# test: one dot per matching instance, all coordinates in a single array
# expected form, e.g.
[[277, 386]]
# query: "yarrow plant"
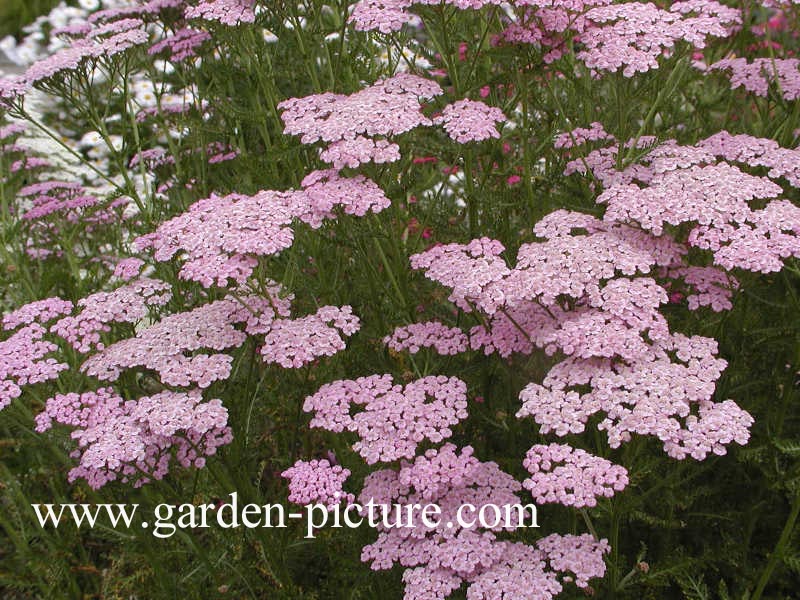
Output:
[[533, 259]]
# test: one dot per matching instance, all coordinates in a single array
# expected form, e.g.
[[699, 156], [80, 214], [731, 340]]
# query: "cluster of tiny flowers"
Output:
[[647, 397], [19, 157], [432, 334], [39, 311], [581, 555], [762, 244], [570, 476], [23, 361], [227, 12], [565, 264], [220, 236], [441, 559], [136, 440], [714, 194], [128, 268], [756, 152], [710, 286], [582, 135], [687, 184], [126, 304], [293, 343], [182, 45], [164, 346], [385, 16], [96, 44], [317, 482], [48, 197], [324, 191], [631, 36], [394, 419], [470, 121], [472, 270], [609, 318], [388, 107], [716, 198], [359, 150], [755, 76]]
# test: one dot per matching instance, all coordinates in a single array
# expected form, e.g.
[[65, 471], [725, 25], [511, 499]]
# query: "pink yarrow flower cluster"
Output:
[[221, 236], [227, 12], [39, 311], [293, 343], [756, 76], [317, 482], [182, 45], [432, 334], [100, 42], [440, 560], [470, 121], [126, 304], [136, 440], [570, 476], [631, 36], [24, 361], [669, 398], [395, 418], [170, 346]]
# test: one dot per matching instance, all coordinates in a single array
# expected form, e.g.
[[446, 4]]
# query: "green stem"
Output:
[[777, 553]]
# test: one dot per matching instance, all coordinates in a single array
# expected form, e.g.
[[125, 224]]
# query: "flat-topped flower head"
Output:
[[395, 419], [470, 121], [388, 107], [293, 343], [757, 75], [24, 361], [317, 482], [432, 334], [39, 311], [222, 236], [571, 476], [136, 440], [472, 270], [126, 304], [667, 394], [631, 36], [227, 12], [169, 346]]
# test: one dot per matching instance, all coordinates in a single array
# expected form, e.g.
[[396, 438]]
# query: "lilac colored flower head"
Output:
[[582, 135], [631, 36], [227, 12], [756, 76], [128, 268], [669, 398], [39, 311], [360, 150], [169, 346], [136, 440], [24, 361], [317, 482], [293, 343], [570, 476], [394, 419], [432, 334], [470, 121], [389, 107], [126, 304], [182, 45], [221, 236]]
